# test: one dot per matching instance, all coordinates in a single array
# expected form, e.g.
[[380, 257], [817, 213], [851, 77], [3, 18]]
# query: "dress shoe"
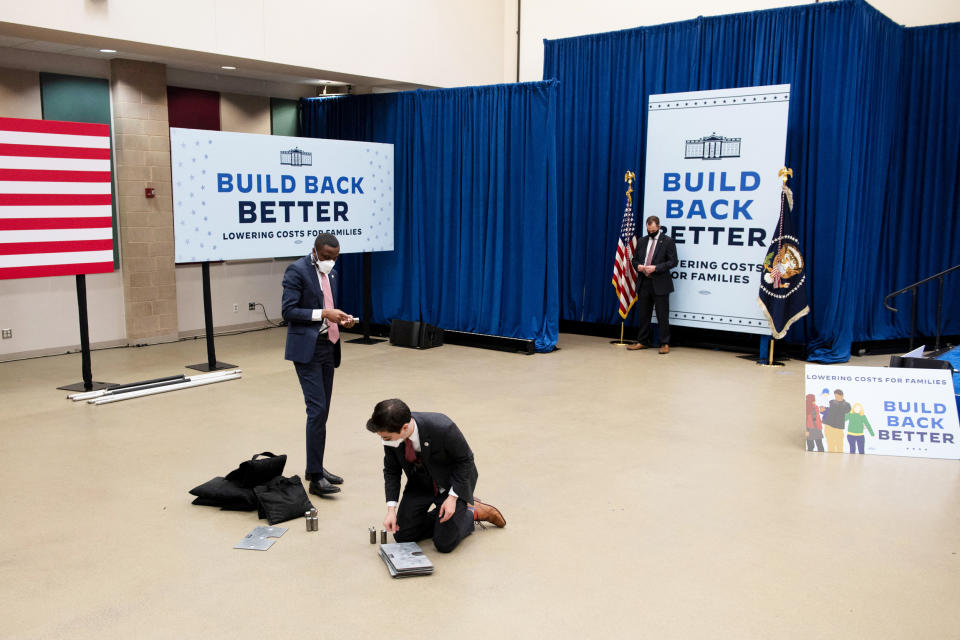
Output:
[[637, 347], [330, 477], [664, 348], [488, 513], [322, 487]]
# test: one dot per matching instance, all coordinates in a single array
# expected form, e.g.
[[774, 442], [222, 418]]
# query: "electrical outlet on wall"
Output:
[[7, 333], [251, 306], [236, 308]]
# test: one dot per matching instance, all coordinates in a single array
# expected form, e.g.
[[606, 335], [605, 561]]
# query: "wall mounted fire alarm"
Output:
[[149, 192]]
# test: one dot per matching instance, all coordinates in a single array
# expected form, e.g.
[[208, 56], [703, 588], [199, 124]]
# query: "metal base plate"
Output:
[[261, 538], [366, 340], [79, 386], [204, 366]]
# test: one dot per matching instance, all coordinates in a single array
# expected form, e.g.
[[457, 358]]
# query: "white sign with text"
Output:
[[711, 177], [900, 412], [240, 195]]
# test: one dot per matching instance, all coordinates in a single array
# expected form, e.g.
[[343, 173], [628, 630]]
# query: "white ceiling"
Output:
[[184, 68]]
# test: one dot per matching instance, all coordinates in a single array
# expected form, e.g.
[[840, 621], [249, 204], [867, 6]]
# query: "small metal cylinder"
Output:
[[315, 523], [383, 537], [309, 521], [373, 535]]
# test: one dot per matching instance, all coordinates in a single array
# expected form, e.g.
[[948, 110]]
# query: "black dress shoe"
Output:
[[322, 487], [332, 478]]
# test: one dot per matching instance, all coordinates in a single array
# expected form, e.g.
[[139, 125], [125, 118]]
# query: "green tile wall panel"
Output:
[[284, 117]]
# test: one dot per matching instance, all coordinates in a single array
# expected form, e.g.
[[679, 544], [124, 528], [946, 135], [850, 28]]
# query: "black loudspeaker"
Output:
[[919, 363], [418, 335]]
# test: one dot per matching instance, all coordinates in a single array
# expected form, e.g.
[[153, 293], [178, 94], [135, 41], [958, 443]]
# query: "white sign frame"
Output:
[[912, 412], [240, 196], [712, 159]]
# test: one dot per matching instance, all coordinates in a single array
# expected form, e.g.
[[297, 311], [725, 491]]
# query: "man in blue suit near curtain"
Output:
[[313, 344]]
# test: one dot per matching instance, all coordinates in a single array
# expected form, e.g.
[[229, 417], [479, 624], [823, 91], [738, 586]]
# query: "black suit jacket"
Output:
[[301, 295], [444, 452], [664, 258]]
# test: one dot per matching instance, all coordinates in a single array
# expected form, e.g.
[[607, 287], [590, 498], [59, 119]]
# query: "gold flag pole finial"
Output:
[[628, 178], [785, 174]]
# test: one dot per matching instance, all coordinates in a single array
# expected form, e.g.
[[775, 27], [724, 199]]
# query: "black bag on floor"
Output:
[[282, 499], [223, 493], [255, 472]]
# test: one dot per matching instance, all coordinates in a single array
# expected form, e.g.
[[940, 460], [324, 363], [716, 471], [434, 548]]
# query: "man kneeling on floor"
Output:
[[430, 449]]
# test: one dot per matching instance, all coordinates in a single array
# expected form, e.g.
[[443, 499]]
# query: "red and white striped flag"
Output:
[[55, 213], [624, 277]]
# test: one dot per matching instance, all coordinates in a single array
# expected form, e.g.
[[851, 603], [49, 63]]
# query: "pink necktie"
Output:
[[650, 252], [333, 329]]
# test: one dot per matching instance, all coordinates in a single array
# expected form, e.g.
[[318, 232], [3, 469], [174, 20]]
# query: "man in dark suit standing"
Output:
[[313, 344], [656, 256], [438, 462]]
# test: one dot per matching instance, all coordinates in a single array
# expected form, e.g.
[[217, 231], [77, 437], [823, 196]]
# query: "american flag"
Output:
[[624, 279], [55, 207]]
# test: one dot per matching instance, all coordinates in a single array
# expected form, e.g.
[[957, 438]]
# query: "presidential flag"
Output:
[[783, 285], [624, 278], [55, 206]]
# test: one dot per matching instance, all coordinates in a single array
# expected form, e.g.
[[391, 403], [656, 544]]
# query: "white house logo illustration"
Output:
[[712, 147], [296, 158]]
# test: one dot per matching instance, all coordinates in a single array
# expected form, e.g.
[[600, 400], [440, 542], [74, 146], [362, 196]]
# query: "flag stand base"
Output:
[[80, 386], [770, 361], [620, 342]]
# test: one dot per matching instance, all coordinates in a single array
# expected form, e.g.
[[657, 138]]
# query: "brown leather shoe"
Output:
[[664, 348], [637, 347], [489, 513]]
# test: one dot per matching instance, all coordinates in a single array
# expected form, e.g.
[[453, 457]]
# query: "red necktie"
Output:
[[408, 451], [653, 243], [411, 456], [333, 330]]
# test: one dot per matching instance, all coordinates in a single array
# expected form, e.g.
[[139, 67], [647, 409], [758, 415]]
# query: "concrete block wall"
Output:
[[142, 138]]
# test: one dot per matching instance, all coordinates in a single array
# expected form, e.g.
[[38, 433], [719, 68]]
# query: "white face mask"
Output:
[[396, 443], [325, 266]]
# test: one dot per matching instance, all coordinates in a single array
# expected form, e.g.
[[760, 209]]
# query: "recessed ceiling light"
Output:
[[108, 50], [228, 68]]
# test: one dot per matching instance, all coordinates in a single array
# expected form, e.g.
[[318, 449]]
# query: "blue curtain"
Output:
[[872, 138], [475, 237]]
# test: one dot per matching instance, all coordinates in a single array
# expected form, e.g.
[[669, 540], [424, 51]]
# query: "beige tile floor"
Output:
[[647, 496]]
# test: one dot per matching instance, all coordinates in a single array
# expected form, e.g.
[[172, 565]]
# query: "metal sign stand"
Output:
[[367, 305], [88, 383], [212, 364]]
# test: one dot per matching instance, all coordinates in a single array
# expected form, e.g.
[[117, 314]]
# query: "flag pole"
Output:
[[628, 177], [620, 342], [784, 175], [770, 361]]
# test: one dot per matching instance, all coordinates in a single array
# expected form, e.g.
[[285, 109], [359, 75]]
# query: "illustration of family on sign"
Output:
[[833, 416]]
